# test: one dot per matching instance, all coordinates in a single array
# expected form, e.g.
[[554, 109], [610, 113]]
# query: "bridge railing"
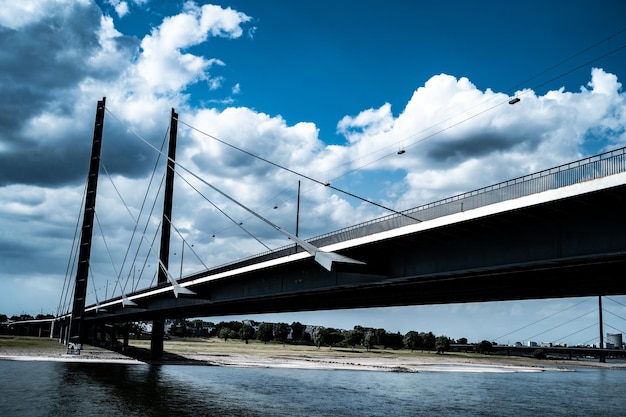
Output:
[[587, 169]]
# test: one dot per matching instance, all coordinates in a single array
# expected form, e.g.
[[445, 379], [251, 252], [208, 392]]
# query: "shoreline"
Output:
[[294, 357]]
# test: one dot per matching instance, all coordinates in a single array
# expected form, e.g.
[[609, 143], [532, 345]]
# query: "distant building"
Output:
[[614, 341], [532, 344]]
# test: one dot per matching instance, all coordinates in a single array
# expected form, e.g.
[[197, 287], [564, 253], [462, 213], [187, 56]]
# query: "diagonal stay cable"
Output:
[[326, 259], [171, 279], [615, 301], [614, 328], [235, 222], [616, 315], [106, 246], [136, 221], [562, 324], [542, 319], [325, 184], [185, 242], [576, 332], [148, 217], [71, 261]]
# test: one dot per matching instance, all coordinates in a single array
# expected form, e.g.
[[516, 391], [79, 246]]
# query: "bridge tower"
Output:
[[158, 325], [82, 272]]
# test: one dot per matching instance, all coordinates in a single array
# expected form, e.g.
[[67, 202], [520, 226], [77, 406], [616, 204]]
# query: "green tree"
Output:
[[462, 341], [246, 333], [281, 332], [354, 337], [265, 332], [392, 340], [369, 339], [539, 354], [379, 336], [297, 331], [319, 336], [428, 341], [442, 344], [225, 333], [484, 346], [334, 337], [3, 318], [412, 340]]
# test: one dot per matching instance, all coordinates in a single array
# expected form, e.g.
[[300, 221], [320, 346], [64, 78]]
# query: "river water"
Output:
[[96, 389]]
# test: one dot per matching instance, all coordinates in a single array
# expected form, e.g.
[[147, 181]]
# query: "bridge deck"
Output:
[[556, 233]]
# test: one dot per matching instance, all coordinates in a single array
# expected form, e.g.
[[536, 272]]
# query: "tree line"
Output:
[[297, 333], [4, 318]]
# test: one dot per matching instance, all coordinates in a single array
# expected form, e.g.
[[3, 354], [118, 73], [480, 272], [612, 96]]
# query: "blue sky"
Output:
[[330, 89]]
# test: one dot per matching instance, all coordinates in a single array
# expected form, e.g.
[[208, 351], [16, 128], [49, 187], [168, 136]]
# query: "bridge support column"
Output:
[[126, 337], [602, 354], [156, 340]]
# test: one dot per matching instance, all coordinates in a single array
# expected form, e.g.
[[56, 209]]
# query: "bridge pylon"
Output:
[[158, 325], [82, 272]]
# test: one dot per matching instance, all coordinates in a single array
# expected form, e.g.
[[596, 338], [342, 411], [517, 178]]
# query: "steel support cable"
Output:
[[616, 315], [608, 38], [123, 289], [142, 209], [542, 319], [106, 246], [119, 275], [235, 222], [71, 261], [93, 284], [136, 221], [481, 104], [562, 324], [615, 301], [326, 259], [576, 332], [484, 102], [160, 152], [430, 136], [185, 243], [145, 261], [154, 238], [614, 328], [586, 343], [245, 219], [326, 184], [580, 66]]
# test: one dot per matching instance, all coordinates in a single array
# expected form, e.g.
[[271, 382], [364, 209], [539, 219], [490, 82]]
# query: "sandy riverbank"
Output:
[[212, 352]]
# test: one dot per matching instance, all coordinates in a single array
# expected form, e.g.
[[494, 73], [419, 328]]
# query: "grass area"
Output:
[[9, 342], [216, 346]]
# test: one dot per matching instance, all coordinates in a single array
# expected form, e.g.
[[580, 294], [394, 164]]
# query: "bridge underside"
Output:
[[565, 248]]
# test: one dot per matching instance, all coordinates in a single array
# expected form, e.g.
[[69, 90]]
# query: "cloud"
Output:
[[121, 7], [163, 65], [457, 137]]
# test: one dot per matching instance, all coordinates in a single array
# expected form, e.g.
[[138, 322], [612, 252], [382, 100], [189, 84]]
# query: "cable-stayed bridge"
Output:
[[556, 233]]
